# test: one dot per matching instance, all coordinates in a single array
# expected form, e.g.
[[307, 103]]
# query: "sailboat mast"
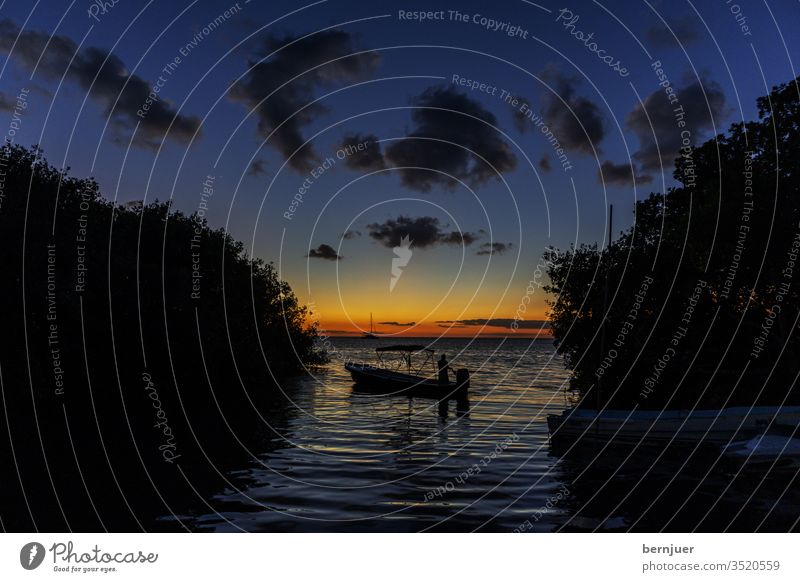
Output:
[[370, 322]]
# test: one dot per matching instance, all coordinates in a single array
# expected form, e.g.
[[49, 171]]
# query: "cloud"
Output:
[[106, 79], [6, 102], [301, 58], [521, 121], [257, 168], [661, 113], [424, 231], [447, 115], [620, 174], [544, 163], [504, 322], [397, 324], [324, 251], [351, 234], [575, 121], [368, 158], [457, 238], [495, 248], [659, 36], [41, 90]]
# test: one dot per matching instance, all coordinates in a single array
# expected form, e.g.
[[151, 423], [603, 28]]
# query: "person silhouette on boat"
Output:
[[443, 369]]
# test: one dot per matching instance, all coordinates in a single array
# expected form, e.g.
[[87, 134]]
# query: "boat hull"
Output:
[[713, 427], [381, 380]]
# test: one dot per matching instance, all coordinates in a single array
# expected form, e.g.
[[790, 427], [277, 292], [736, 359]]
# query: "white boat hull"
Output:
[[712, 427]]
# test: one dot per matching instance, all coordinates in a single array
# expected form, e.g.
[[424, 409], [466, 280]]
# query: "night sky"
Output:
[[333, 137]]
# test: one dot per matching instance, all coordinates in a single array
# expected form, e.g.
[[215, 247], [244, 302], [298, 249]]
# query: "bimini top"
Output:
[[404, 348]]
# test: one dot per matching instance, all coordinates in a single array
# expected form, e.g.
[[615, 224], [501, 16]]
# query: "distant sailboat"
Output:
[[370, 335]]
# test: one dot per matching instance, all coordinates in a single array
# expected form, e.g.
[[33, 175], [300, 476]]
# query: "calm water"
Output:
[[347, 461]]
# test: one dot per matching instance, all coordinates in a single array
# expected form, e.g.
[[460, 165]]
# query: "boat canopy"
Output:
[[404, 348]]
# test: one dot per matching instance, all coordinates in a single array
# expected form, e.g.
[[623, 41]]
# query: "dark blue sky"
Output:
[[720, 66]]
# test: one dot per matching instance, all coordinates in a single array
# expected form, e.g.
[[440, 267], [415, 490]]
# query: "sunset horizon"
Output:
[[347, 267]]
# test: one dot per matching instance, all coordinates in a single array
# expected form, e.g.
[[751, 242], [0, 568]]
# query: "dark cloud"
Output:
[[544, 164], [351, 234], [397, 324], [661, 113], [659, 36], [106, 79], [458, 238], [576, 121], [504, 322], [620, 174], [447, 115], [6, 103], [42, 91], [257, 168], [29, 45], [301, 58], [368, 158], [424, 231], [521, 121], [326, 252], [495, 248]]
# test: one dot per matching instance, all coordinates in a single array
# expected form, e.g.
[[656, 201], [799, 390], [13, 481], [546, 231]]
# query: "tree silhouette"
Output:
[[140, 351], [716, 326]]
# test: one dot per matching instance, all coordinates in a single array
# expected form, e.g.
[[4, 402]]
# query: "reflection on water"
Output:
[[349, 461]]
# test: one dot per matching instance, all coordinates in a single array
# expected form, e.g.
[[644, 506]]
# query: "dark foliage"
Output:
[[716, 325], [125, 387]]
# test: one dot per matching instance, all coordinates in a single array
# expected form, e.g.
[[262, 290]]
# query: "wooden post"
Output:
[[462, 391], [462, 382]]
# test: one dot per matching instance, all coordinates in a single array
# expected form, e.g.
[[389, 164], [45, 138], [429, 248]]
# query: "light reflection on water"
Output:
[[364, 462], [348, 461]]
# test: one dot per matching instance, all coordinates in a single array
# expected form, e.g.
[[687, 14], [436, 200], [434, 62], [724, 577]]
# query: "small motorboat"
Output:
[[777, 449], [388, 377]]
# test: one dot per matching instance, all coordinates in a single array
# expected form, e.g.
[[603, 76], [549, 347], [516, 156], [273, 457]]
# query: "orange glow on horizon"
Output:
[[346, 329]]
